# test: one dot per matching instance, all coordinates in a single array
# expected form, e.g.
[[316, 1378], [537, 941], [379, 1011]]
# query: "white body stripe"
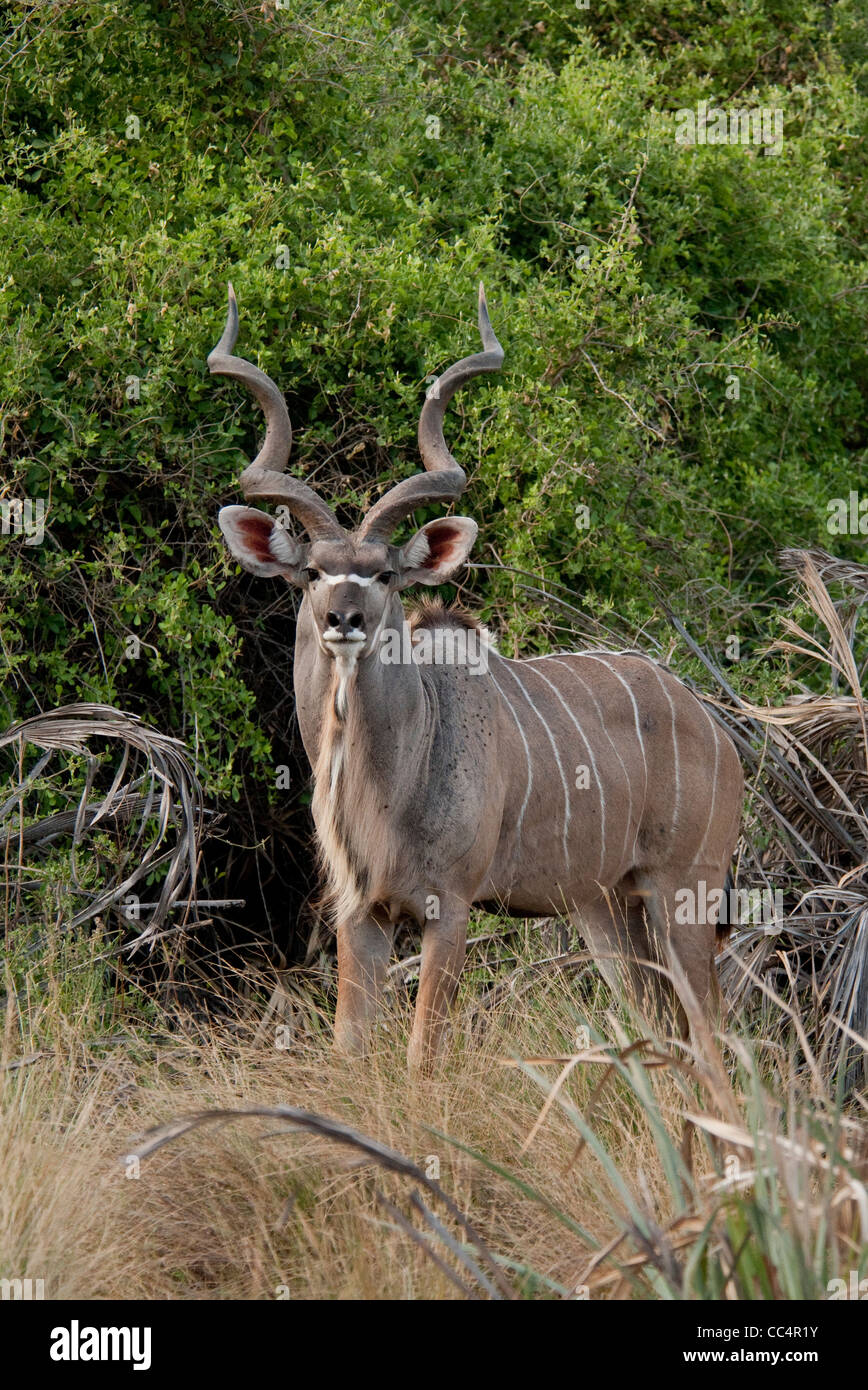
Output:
[[584, 739], [699, 857], [677, 761], [527, 755], [557, 760], [627, 779], [638, 735]]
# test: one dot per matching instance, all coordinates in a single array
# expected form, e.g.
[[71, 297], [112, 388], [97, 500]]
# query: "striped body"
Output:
[[540, 786], [615, 767]]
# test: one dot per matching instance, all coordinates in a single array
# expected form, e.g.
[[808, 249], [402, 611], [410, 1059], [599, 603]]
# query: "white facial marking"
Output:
[[362, 579]]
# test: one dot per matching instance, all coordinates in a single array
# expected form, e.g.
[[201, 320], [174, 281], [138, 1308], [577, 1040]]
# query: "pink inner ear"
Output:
[[256, 532], [440, 545]]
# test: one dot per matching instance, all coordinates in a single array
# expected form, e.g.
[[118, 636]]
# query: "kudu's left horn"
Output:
[[444, 478], [265, 477]]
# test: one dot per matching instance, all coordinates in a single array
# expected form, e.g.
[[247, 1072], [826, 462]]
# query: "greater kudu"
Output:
[[592, 783]]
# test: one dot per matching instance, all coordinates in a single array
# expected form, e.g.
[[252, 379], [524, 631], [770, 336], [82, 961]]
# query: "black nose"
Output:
[[350, 620]]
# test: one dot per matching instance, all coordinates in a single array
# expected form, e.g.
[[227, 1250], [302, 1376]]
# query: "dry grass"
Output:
[[582, 1182], [239, 1210], [805, 832]]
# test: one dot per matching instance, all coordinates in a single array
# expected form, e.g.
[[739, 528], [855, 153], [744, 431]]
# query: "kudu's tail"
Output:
[[724, 922]]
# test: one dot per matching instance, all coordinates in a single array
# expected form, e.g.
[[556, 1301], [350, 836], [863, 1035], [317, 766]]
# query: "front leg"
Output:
[[444, 944], [364, 949]]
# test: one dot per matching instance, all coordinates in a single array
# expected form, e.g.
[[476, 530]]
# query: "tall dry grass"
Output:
[[584, 1158]]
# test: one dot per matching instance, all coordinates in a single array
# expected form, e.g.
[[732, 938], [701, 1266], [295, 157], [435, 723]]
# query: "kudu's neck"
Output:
[[373, 711]]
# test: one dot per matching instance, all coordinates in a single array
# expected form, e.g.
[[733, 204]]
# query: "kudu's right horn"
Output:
[[444, 478]]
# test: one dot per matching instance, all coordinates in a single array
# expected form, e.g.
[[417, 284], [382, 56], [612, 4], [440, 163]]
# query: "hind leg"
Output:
[[614, 932], [681, 913], [652, 985]]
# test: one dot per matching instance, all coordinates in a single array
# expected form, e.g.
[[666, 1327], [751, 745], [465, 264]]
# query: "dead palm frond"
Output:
[[806, 831], [153, 788], [472, 1255]]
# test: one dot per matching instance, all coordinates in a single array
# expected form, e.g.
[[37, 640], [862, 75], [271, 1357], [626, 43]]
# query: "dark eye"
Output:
[[385, 576], [311, 574]]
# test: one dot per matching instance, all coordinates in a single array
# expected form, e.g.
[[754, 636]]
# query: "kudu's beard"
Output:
[[344, 652], [346, 666], [346, 656]]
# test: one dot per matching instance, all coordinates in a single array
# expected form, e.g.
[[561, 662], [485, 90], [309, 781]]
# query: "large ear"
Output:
[[259, 544], [437, 550]]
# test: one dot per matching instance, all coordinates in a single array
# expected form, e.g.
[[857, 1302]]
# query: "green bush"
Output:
[[355, 171]]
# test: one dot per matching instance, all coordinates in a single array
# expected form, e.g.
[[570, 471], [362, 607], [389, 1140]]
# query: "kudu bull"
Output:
[[591, 783]]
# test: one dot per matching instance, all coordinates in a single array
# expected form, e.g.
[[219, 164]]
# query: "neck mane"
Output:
[[368, 725]]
